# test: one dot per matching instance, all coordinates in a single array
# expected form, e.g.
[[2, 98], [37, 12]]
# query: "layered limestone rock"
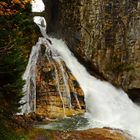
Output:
[[58, 93], [103, 34]]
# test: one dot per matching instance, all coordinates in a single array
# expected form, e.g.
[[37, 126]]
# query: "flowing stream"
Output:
[[105, 104]]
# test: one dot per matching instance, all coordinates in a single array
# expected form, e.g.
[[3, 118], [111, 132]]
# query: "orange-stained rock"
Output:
[[53, 99], [92, 134]]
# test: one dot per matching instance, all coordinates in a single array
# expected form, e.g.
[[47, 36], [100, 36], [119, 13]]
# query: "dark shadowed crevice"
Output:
[[52, 13], [134, 94]]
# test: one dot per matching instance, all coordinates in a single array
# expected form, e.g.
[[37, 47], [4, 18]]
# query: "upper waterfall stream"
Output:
[[105, 104]]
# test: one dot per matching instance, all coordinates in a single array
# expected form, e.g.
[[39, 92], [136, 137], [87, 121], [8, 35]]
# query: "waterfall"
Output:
[[29, 89], [58, 60], [105, 104], [29, 76], [66, 93], [37, 6]]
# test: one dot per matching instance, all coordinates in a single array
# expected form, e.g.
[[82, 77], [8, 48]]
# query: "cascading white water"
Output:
[[105, 104], [29, 89], [29, 76], [66, 92], [49, 56], [37, 6]]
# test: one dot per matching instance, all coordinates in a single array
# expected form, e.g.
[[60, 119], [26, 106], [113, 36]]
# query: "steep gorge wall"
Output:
[[103, 34]]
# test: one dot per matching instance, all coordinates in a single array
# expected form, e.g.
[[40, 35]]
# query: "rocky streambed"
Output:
[[72, 128], [76, 128], [91, 134]]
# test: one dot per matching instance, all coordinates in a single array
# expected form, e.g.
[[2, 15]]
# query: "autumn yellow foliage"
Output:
[[9, 8]]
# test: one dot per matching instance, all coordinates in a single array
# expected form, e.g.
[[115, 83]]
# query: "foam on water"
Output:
[[104, 103]]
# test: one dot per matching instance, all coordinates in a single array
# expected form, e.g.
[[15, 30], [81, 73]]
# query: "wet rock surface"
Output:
[[58, 92]]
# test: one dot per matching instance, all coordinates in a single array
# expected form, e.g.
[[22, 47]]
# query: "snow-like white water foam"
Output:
[[37, 6], [105, 104], [29, 89]]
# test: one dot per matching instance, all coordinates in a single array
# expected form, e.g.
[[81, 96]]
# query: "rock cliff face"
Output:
[[103, 34], [58, 93]]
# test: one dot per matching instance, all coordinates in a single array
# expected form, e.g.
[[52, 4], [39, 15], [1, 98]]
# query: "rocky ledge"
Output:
[[91, 134], [58, 92]]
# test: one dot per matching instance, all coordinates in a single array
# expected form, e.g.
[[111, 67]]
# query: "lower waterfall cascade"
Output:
[[105, 104]]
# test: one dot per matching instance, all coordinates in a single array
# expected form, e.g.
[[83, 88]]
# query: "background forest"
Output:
[[16, 37]]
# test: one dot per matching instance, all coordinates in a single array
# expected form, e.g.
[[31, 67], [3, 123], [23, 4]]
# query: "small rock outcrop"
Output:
[[58, 92]]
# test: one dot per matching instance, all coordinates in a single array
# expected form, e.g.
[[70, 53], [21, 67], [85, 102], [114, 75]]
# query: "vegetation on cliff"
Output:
[[12, 7], [16, 41]]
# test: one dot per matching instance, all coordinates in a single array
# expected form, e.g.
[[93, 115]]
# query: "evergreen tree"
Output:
[[17, 35]]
